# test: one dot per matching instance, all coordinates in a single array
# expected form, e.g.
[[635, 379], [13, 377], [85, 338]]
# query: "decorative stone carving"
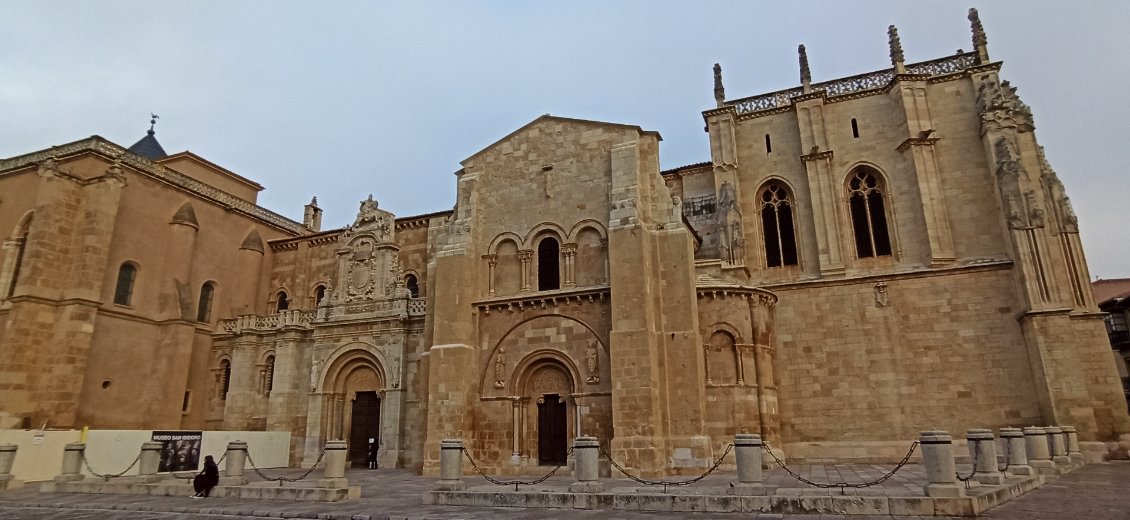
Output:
[[549, 381], [882, 297], [315, 370], [730, 221], [719, 91], [1001, 107], [896, 45], [592, 363], [396, 372], [500, 368]]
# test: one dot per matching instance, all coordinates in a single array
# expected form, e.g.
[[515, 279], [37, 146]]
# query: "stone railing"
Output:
[[417, 306], [160, 172], [255, 322], [854, 84]]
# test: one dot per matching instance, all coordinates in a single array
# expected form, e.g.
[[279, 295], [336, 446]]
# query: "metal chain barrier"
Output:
[[973, 469], [108, 476], [515, 483], [843, 485], [280, 480], [666, 483]]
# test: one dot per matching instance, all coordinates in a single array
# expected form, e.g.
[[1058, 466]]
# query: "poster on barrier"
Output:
[[180, 450]]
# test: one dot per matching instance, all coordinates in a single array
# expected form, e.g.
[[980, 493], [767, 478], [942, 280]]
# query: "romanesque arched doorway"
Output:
[[549, 387], [353, 390]]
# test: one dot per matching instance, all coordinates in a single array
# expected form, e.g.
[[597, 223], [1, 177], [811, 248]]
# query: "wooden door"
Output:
[[552, 435], [365, 425]]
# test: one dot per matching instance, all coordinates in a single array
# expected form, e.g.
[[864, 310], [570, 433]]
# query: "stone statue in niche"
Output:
[[729, 218], [1035, 212], [882, 297], [315, 367], [1070, 221], [396, 372], [500, 368], [1015, 218], [592, 362]]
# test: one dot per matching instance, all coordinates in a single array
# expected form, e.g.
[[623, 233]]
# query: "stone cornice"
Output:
[[545, 299], [986, 265], [113, 152]]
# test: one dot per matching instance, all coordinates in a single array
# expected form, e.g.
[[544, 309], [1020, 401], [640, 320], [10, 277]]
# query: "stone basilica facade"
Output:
[[859, 259]]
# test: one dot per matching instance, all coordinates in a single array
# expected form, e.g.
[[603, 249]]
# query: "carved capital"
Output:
[[525, 255], [569, 249]]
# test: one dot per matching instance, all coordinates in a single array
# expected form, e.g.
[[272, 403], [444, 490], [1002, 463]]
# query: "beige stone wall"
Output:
[[851, 369]]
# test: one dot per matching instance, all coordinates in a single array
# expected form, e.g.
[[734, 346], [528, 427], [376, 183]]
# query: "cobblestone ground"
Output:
[[1095, 492]]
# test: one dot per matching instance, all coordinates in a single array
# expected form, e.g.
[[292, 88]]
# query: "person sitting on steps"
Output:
[[207, 479]]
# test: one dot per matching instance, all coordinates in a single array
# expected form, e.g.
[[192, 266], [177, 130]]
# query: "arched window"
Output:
[[124, 290], [319, 295], [281, 303], [204, 306], [412, 285], [269, 375], [225, 378], [868, 214], [777, 226], [549, 273]]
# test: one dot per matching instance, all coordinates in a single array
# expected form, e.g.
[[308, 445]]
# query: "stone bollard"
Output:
[[234, 464], [586, 451], [7, 460], [1016, 452], [1036, 446], [1057, 445], [747, 451], [937, 456], [150, 460], [72, 462], [1073, 451], [450, 466], [983, 453], [333, 473]]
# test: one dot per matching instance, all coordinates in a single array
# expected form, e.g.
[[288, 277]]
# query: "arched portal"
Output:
[[352, 395], [548, 385]]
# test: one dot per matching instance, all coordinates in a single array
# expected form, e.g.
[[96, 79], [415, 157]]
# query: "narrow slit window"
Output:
[[768, 144], [123, 291], [854, 128]]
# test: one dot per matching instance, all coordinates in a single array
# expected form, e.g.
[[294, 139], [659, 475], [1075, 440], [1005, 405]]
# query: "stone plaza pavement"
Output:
[[1094, 492]]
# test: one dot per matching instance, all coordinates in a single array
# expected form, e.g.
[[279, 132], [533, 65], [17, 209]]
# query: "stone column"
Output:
[[526, 256], [1016, 452], [569, 251], [234, 463], [492, 263], [747, 451], [450, 466], [150, 460], [72, 462], [586, 451], [516, 454], [1073, 450], [7, 459], [937, 456], [333, 471], [1057, 445], [1036, 446], [983, 453]]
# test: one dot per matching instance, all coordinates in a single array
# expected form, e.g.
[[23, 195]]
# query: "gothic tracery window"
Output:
[[123, 291], [777, 226], [868, 214]]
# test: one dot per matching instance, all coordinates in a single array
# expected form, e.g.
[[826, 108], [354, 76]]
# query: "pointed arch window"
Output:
[[204, 306], [123, 291], [777, 225], [281, 301], [868, 214], [549, 273], [413, 285]]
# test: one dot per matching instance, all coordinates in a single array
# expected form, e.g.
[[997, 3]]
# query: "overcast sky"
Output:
[[343, 99]]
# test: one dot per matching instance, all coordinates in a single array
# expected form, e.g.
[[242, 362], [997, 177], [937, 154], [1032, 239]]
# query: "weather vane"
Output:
[[153, 121]]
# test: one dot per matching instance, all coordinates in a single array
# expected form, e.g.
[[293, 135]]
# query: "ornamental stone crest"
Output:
[[368, 268], [1001, 107]]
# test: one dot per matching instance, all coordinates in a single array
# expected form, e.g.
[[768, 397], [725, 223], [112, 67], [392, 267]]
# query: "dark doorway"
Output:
[[552, 426], [365, 425]]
